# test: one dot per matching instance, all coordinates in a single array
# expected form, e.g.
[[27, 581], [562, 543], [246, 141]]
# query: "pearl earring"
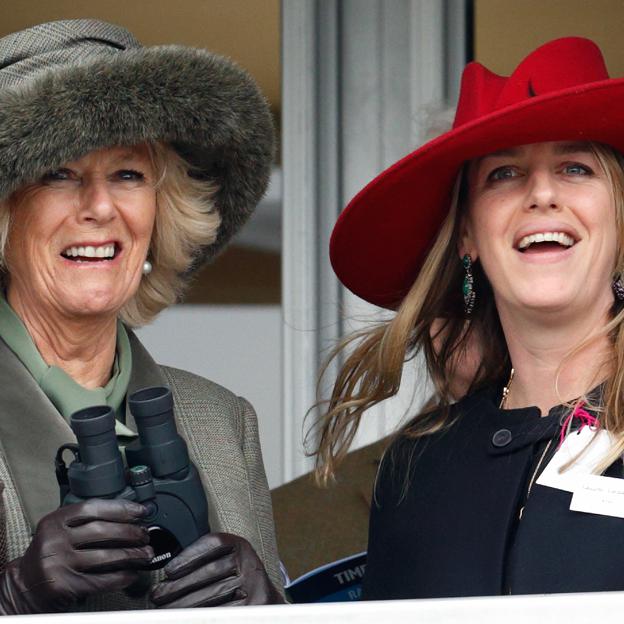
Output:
[[147, 267]]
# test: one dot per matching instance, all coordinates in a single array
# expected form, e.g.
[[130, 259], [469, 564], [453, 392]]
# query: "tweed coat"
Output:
[[220, 430]]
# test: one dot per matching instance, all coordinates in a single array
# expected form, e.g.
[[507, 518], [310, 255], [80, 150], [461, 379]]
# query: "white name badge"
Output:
[[591, 445], [599, 495]]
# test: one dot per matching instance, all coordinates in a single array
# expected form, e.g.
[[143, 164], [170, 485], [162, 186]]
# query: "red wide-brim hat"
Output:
[[560, 92]]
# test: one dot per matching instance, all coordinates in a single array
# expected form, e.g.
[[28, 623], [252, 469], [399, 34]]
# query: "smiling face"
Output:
[[78, 237], [541, 219]]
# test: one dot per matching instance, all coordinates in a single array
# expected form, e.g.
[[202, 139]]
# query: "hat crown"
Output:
[[41, 47], [560, 64]]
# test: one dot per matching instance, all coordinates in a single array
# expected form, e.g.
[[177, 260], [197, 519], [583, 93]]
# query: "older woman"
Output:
[[122, 170], [511, 228]]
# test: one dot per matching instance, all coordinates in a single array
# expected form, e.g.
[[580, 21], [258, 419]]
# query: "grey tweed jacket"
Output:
[[220, 429]]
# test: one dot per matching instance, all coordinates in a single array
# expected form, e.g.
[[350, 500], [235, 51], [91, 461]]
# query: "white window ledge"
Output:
[[555, 609]]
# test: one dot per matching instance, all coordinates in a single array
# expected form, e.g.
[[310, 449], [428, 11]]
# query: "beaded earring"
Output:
[[468, 285]]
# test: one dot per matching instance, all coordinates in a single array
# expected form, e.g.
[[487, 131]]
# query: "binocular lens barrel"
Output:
[[162, 447], [93, 427], [100, 471]]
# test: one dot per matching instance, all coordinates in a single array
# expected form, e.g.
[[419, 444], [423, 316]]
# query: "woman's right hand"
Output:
[[78, 550]]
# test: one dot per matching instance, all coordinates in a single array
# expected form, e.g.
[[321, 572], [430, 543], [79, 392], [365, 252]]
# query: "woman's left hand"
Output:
[[219, 569]]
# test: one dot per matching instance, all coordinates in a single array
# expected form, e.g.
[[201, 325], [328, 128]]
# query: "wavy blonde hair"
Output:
[[375, 356], [186, 220]]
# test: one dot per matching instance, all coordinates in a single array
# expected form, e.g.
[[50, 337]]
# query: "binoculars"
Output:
[[159, 473]]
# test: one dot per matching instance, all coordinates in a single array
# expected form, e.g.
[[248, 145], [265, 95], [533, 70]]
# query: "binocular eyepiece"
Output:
[[160, 446], [159, 473], [100, 471]]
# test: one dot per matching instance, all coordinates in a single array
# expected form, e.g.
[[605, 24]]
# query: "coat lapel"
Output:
[[31, 431]]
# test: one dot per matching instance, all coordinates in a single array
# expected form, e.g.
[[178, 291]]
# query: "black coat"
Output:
[[454, 529]]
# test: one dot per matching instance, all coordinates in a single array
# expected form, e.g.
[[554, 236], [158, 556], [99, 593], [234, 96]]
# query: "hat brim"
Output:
[[201, 103], [382, 237]]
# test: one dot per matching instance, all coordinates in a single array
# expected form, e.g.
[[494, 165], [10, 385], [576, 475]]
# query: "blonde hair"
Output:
[[186, 221], [375, 357]]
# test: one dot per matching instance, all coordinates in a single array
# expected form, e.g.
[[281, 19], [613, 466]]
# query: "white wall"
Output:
[[238, 347]]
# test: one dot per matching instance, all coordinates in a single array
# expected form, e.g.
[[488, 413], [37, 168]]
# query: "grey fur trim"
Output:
[[201, 103]]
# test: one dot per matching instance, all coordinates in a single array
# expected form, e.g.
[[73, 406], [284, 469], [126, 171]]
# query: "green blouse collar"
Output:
[[66, 394]]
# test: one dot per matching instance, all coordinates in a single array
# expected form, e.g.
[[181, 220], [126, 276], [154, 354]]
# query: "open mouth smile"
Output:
[[92, 253], [545, 242]]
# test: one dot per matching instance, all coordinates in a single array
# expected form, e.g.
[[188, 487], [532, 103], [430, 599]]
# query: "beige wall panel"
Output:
[[239, 276], [506, 30], [245, 30]]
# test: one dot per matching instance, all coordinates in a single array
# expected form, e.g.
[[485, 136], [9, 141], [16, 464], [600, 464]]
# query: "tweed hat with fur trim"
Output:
[[72, 86]]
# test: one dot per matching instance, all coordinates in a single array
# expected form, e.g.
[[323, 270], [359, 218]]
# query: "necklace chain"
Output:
[[544, 452], [534, 475], [506, 390]]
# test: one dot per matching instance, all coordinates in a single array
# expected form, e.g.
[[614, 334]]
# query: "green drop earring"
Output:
[[468, 285]]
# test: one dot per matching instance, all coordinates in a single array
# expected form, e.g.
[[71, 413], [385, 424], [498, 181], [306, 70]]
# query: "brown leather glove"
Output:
[[78, 550], [219, 569]]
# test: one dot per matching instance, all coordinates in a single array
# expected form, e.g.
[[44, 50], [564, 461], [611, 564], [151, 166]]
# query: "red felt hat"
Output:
[[560, 92]]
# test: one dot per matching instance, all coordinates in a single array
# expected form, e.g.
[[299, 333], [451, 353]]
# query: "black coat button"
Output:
[[501, 438]]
